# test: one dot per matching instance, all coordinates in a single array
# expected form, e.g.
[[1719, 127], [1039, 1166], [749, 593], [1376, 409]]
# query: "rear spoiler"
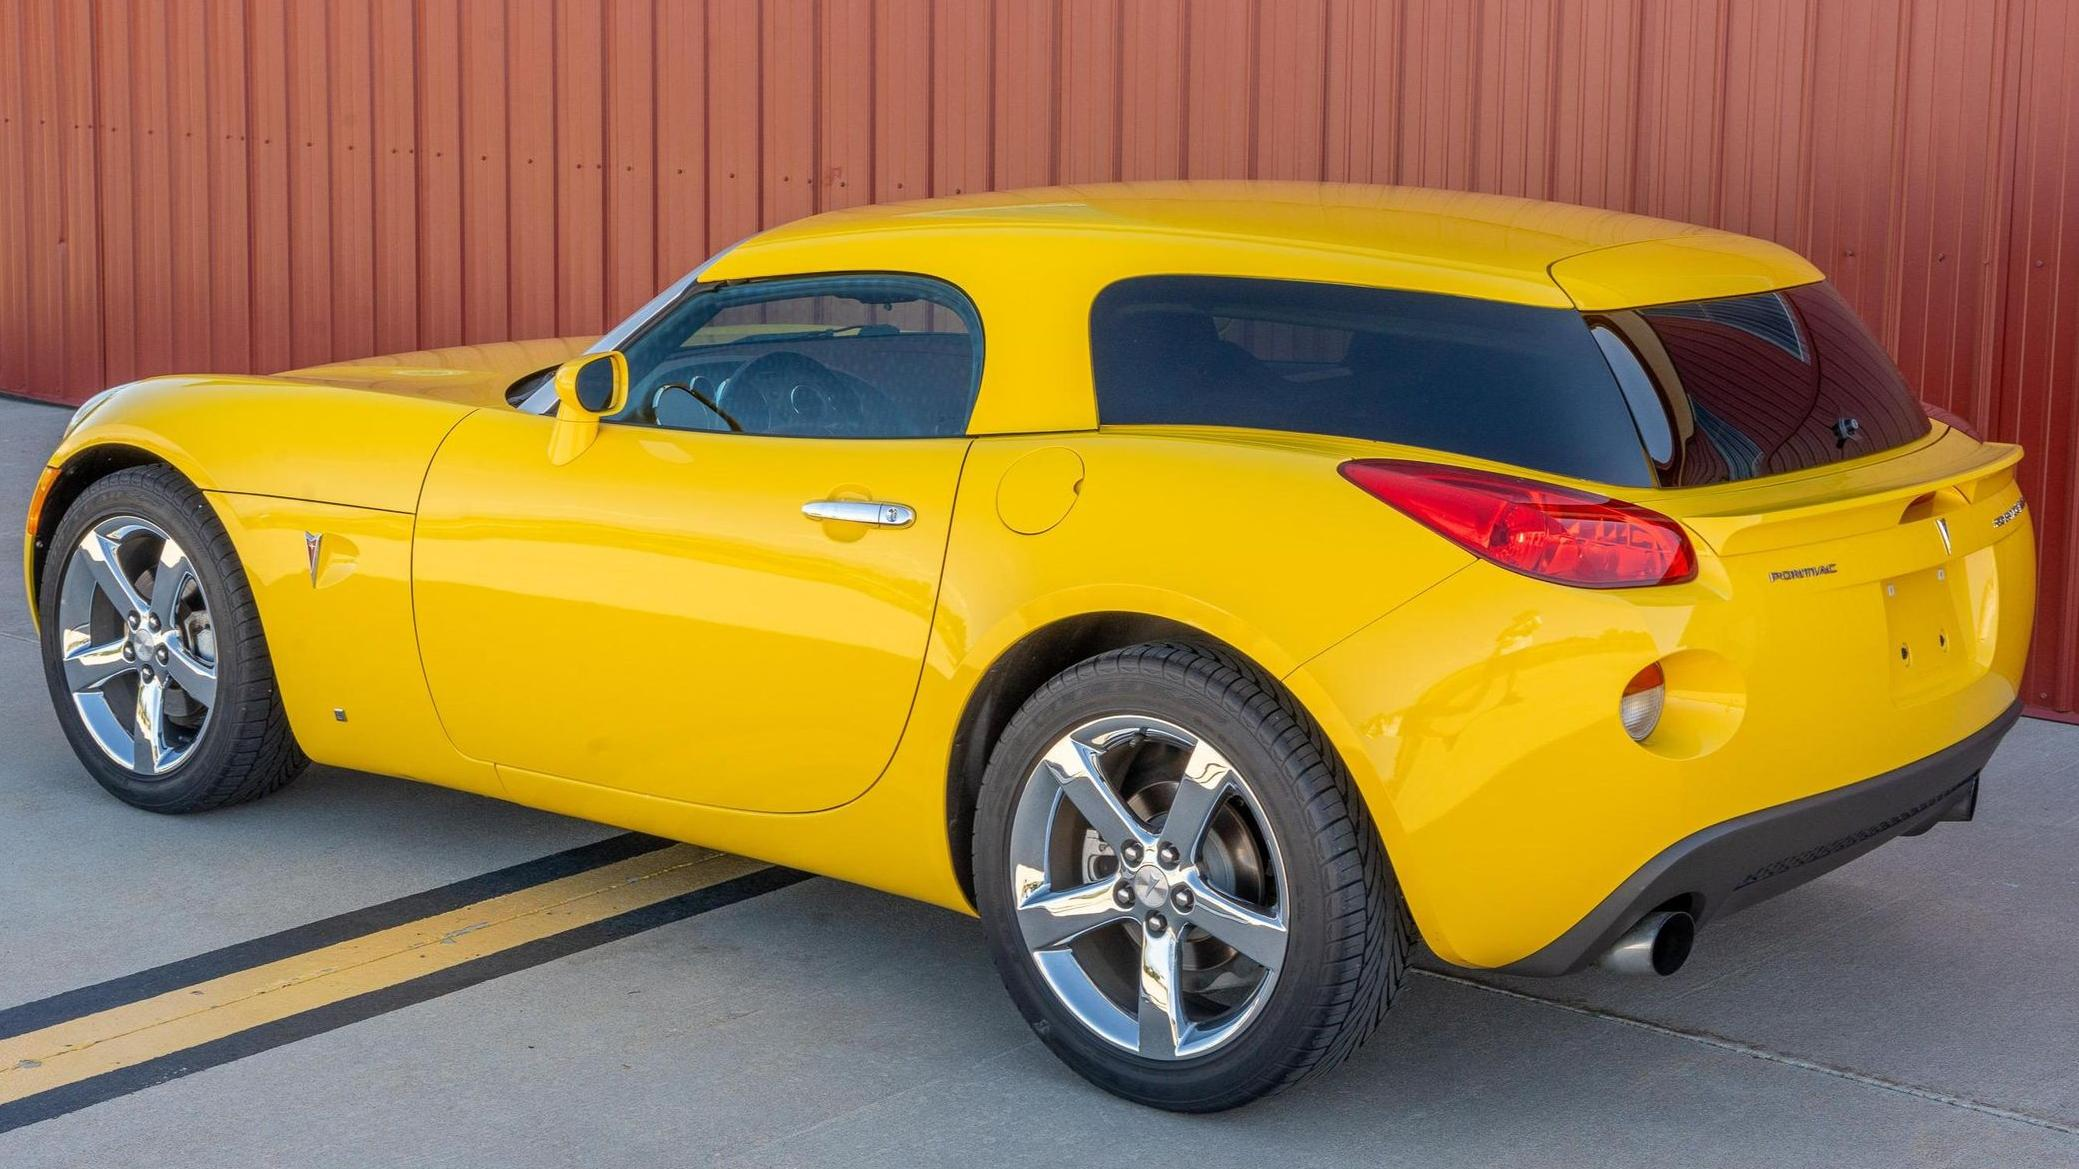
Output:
[[1844, 500]]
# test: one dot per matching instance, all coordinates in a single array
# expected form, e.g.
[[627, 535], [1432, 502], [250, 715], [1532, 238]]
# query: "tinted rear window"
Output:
[[1507, 382], [1748, 386], [1705, 392]]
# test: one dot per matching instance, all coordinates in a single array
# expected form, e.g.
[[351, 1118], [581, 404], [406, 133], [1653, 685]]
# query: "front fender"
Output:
[[256, 436], [272, 436]]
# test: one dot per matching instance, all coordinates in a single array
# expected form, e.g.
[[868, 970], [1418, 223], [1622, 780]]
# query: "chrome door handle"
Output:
[[861, 511]]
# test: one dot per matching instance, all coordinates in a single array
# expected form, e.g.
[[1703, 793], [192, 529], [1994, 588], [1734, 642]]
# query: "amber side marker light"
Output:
[[1541, 530], [44, 482]]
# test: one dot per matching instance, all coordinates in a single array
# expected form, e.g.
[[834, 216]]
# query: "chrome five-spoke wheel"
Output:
[[137, 644], [1178, 881], [152, 648], [1148, 886]]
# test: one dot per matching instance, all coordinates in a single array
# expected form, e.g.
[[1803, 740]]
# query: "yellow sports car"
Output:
[[1212, 586]]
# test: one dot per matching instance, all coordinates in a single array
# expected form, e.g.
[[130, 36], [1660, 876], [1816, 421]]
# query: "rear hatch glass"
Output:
[[1744, 387], [1706, 392]]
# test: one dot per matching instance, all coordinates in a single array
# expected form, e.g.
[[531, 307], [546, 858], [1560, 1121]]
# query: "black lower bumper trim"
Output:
[[1732, 865]]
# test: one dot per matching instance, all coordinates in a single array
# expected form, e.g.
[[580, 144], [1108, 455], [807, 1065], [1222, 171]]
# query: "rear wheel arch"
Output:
[[1296, 940], [1028, 664]]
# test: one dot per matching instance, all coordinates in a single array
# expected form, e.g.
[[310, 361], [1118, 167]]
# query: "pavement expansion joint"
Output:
[[1736, 1047]]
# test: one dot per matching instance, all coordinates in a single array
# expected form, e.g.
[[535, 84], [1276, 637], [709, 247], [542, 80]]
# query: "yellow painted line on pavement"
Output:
[[81, 1048]]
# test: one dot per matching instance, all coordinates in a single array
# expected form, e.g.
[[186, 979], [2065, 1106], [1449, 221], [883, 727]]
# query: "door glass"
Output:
[[863, 356]]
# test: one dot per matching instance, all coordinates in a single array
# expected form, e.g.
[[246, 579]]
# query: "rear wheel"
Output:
[[1181, 891], [153, 652]]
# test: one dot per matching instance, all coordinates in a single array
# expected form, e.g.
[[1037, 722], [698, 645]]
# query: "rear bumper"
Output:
[[1732, 865]]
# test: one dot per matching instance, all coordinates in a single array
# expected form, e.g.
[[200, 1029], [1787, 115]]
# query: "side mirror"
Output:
[[595, 385], [588, 388]]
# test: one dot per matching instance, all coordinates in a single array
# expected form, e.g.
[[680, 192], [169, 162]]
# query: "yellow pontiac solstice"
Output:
[[1214, 586]]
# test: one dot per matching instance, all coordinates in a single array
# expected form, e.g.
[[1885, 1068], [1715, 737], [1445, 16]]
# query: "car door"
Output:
[[732, 617]]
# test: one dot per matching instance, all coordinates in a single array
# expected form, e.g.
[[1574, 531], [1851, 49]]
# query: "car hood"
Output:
[[468, 375]]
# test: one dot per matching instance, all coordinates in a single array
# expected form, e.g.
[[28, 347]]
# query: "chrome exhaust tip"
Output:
[[1658, 944]]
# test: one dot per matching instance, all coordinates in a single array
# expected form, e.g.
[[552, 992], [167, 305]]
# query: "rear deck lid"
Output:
[[1902, 570], [1935, 477]]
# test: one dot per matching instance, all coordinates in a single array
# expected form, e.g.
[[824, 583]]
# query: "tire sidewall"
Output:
[[200, 534], [1250, 1063]]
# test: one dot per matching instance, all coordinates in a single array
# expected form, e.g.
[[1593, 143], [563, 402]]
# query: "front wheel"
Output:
[[153, 651], [1180, 888]]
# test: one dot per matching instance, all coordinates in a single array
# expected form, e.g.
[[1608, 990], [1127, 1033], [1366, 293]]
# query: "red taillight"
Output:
[[1552, 533]]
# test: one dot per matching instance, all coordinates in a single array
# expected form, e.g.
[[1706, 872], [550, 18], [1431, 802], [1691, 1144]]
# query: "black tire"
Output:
[[246, 748], [1350, 936]]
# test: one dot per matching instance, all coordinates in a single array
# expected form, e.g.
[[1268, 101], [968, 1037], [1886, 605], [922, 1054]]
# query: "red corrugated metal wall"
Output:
[[258, 184]]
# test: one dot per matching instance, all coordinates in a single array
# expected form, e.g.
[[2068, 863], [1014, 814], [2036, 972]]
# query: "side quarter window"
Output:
[[837, 356]]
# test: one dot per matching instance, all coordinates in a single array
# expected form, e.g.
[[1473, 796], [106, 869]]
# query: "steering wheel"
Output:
[[687, 405], [785, 392]]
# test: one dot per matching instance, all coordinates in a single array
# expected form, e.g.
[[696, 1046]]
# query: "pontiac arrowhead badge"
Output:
[[313, 546]]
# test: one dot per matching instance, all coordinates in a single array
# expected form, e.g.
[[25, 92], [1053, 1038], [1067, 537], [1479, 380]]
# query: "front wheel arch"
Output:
[[81, 470], [243, 748]]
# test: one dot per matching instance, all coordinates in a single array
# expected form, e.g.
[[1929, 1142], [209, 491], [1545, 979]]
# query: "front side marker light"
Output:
[[44, 482]]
